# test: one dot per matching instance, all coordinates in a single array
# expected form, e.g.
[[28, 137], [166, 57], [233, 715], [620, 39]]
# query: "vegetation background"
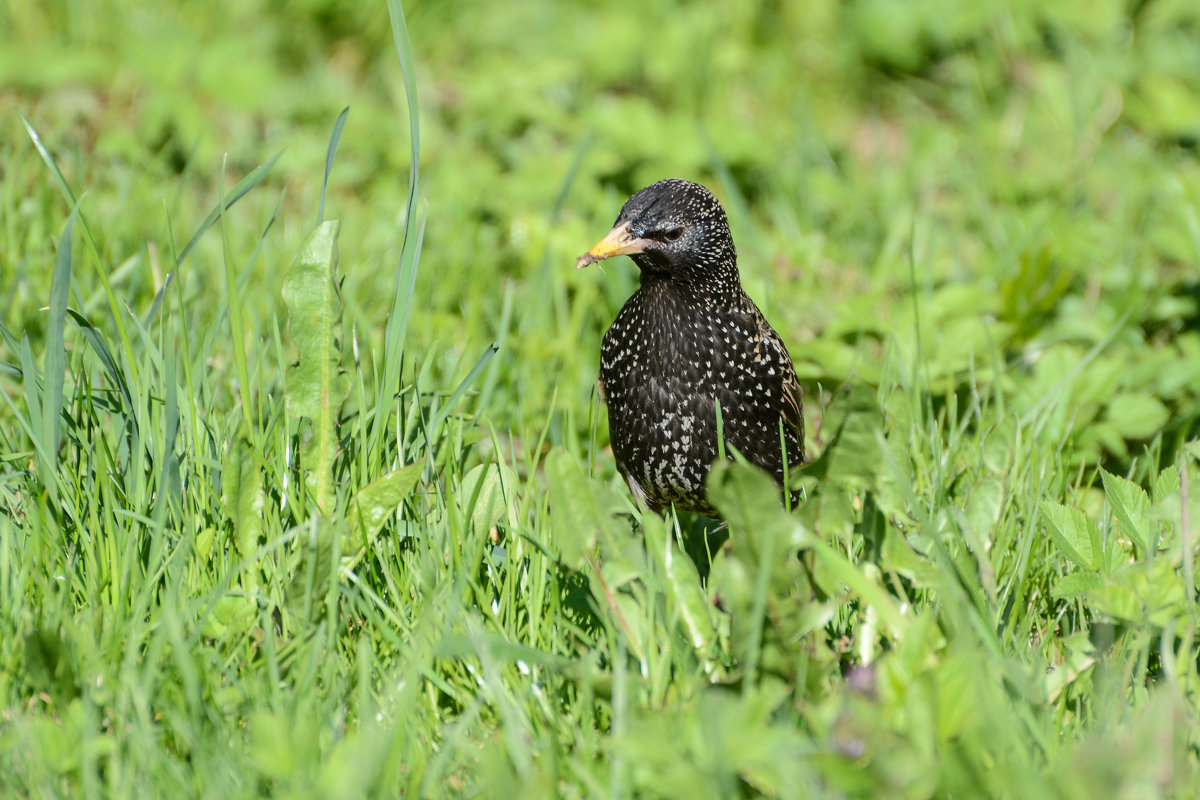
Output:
[[975, 225]]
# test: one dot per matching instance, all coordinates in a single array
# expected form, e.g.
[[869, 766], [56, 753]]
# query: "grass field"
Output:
[[294, 509]]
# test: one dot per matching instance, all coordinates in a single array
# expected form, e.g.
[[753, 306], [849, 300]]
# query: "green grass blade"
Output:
[[33, 401], [55, 363], [404, 51], [462, 387], [330, 151], [256, 176], [406, 272], [115, 308], [96, 339]]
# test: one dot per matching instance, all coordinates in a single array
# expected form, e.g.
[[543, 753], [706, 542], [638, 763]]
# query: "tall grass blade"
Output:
[[114, 307], [243, 187], [55, 363], [462, 387], [330, 151], [406, 272]]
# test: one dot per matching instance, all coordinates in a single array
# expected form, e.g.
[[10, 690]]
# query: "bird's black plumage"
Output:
[[688, 339]]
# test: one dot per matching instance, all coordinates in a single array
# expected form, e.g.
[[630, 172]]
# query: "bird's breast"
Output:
[[657, 342]]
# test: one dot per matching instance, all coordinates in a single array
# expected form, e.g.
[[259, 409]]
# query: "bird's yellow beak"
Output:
[[619, 242]]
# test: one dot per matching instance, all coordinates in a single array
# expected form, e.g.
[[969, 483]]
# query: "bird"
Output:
[[687, 342]]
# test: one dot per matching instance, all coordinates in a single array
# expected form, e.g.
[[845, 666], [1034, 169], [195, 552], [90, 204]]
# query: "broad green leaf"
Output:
[[1137, 416], [1075, 534], [491, 492], [985, 504], [1118, 601], [1167, 484], [748, 498], [1078, 656], [580, 508], [1161, 590], [233, 616], [315, 386], [1131, 506], [1076, 584], [683, 582], [898, 555], [377, 502], [853, 456], [242, 494]]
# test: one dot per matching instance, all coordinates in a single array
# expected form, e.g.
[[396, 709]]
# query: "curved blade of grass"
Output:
[[107, 359], [462, 387], [334, 138], [404, 51], [239, 191], [55, 363], [101, 271], [406, 272], [402, 300]]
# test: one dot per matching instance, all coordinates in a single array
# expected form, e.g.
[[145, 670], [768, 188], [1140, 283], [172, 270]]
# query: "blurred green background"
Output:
[[1029, 168]]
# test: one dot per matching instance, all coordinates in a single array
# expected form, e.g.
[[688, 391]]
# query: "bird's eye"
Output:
[[672, 234]]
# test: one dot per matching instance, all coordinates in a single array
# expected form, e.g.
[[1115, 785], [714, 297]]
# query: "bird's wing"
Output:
[[792, 409], [793, 394]]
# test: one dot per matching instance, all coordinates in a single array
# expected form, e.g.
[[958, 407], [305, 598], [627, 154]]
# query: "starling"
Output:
[[688, 339]]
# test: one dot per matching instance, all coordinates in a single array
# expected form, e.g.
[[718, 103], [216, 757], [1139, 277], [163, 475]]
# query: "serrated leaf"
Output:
[[314, 385], [1167, 484], [1131, 506], [1075, 534]]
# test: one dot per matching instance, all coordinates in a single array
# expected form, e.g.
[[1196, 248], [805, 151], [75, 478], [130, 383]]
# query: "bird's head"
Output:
[[674, 229]]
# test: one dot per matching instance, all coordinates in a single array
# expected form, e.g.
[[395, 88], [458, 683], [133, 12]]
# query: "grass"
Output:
[[328, 511]]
